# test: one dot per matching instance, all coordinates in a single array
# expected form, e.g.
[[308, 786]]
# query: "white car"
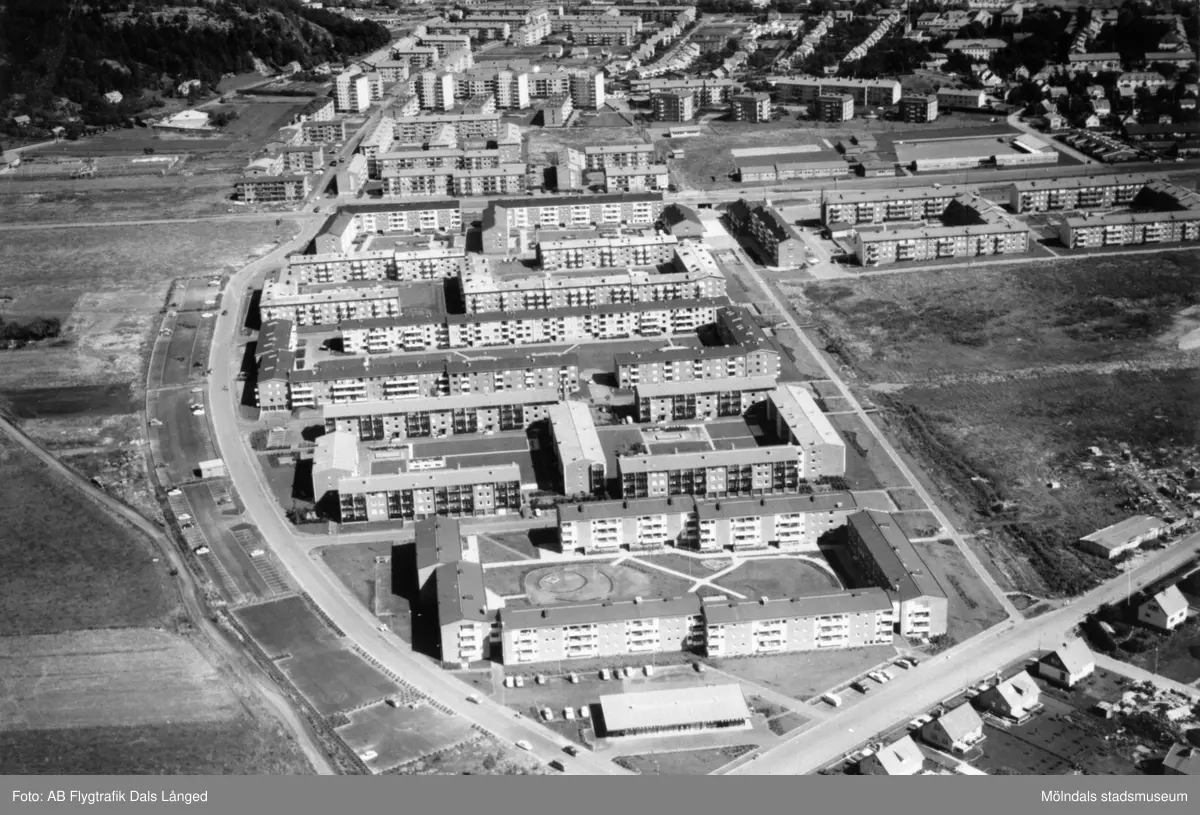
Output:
[[260, 553], [155, 423], [197, 411], [367, 756], [524, 745], [202, 550], [175, 492], [183, 516]]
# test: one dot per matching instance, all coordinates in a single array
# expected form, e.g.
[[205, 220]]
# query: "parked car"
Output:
[[524, 745]]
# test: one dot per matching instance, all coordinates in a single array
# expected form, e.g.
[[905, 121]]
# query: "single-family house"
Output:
[[1165, 611], [902, 757], [1069, 664], [1015, 698], [1182, 759], [956, 731]]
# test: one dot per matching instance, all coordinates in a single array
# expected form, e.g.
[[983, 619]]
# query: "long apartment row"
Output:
[[377, 382], [899, 595]]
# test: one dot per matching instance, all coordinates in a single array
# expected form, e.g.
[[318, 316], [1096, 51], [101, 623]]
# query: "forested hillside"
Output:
[[78, 50]]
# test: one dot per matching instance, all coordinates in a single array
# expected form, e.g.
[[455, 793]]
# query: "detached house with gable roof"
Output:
[[1069, 664], [1017, 697], [956, 731], [1165, 611], [903, 757]]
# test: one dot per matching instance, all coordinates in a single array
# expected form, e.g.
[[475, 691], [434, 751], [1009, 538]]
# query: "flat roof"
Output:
[[575, 433], [1075, 182], [799, 411], [895, 555], [627, 508], [578, 200], [461, 401], [952, 148], [657, 462], [859, 601], [598, 613], [651, 390], [426, 479], [674, 707]]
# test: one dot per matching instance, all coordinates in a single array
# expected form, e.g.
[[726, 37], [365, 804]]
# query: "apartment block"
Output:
[[834, 107], [509, 88], [700, 398], [651, 178], [746, 353], [434, 90], [581, 463], [603, 157], [636, 524], [751, 107], [709, 93], [260, 189], [712, 473], [883, 554], [983, 232], [1131, 229], [317, 305], [341, 232], [796, 419], [464, 622], [961, 98], [531, 327], [352, 92], [877, 206], [318, 110], [1076, 193], [439, 416], [590, 631], [416, 493], [306, 158], [863, 92], [421, 129], [789, 523], [504, 219], [604, 253], [674, 105], [919, 109], [766, 626]]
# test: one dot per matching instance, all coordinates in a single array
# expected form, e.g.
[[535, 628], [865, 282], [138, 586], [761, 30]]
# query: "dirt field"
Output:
[[108, 678], [683, 762], [355, 565], [400, 735], [124, 198], [481, 756], [972, 607], [67, 566], [778, 577], [287, 627], [107, 284], [999, 381]]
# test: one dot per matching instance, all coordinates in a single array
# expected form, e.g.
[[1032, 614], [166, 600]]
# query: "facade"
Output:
[[637, 524], [605, 253], [776, 626], [674, 105], [602, 157], [960, 98], [984, 233], [1131, 229], [352, 92], [700, 398], [879, 206], [1068, 665], [751, 107], [273, 188], [709, 93], [749, 471], [919, 109], [834, 107], [883, 554], [439, 416], [864, 92], [1086, 193], [343, 231], [504, 219], [901, 757], [778, 238], [651, 178], [581, 463], [610, 629], [955, 731], [797, 420], [1165, 611], [463, 620], [1113, 541], [328, 306], [420, 493]]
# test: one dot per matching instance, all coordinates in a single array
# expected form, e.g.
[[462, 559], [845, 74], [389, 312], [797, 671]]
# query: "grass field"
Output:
[[371, 583], [335, 679], [107, 284], [582, 582], [287, 626], [778, 577], [67, 565], [239, 746], [126, 198], [804, 675], [998, 380], [128, 677], [683, 762]]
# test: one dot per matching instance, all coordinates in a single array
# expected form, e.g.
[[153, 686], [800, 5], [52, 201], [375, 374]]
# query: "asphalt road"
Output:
[[311, 574], [913, 692]]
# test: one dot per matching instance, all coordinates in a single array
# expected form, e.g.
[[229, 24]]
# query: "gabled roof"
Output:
[[902, 757], [959, 724], [1072, 657], [1183, 759], [1171, 600]]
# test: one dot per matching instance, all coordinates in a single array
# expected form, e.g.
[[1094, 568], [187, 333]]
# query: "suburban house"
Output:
[[903, 757], [956, 731], [1165, 611], [1182, 759], [1015, 698], [1069, 664]]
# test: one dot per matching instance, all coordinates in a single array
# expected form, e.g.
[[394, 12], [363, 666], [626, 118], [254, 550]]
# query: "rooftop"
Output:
[[575, 432], [651, 390], [895, 556], [800, 413], [1121, 533], [461, 594], [438, 540], [596, 613], [674, 707]]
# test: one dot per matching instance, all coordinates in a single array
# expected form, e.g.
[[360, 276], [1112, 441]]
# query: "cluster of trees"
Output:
[[60, 49], [39, 328]]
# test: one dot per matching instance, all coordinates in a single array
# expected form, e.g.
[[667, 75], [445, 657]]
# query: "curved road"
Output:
[[311, 574]]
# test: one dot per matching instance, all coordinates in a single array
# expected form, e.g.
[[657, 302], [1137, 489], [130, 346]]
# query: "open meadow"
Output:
[[1000, 381]]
